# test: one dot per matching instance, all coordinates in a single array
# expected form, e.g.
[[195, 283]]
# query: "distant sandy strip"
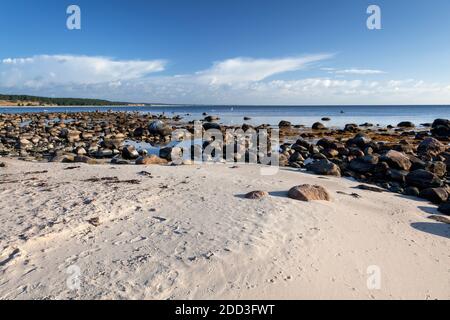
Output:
[[186, 232]]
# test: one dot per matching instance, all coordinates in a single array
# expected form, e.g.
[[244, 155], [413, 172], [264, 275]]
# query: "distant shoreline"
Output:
[[222, 105]]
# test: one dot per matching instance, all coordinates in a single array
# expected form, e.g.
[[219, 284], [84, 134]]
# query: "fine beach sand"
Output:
[[186, 232]]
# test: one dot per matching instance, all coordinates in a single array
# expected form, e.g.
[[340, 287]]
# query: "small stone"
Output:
[[308, 192], [94, 221], [256, 195]]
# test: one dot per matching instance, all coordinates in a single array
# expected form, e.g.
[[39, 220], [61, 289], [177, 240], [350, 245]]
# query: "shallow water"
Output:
[[305, 115]]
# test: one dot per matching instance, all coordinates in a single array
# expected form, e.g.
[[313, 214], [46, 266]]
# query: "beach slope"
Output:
[[77, 231]]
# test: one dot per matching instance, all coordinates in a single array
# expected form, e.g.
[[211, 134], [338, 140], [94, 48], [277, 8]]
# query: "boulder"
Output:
[[363, 164], [411, 191], [324, 167], [396, 160], [431, 147], [130, 153], [212, 125], [284, 124], [423, 179], [441, 128], [406, 124], [360, 140], [308, 192], [318, 126], [256, 195], [351, 127], [435, 195], [212, 118], [158, 127], [439, 168]]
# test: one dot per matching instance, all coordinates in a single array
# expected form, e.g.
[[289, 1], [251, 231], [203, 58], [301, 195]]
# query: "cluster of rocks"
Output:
[[303, 192], [79, 136], [415, 167]]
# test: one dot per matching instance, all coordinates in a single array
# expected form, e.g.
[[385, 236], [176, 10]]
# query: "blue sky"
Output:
[[229, 52]]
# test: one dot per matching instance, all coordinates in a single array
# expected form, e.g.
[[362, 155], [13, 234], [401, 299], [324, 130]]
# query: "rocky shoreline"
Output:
[[402, 159]]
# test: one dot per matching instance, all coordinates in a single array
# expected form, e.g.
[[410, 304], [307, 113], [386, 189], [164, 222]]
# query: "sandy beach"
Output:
[[187, 232]]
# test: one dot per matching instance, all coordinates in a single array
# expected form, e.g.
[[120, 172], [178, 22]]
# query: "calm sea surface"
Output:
[[306, 115]]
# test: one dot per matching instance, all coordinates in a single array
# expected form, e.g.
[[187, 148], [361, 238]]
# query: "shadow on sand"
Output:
[[438, 229]]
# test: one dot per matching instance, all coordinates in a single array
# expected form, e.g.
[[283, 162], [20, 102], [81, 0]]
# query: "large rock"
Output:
[[129, 152], [406, 124], [439, 168], [435, 195], [308, 192], [423, 179], [363, 164], [212, 118], [430, 146], [284, 124], [212, 126], [158, 127], [397, 160], [324, 167], [441, 128], [148, 160], [318, 126], [360, 140]]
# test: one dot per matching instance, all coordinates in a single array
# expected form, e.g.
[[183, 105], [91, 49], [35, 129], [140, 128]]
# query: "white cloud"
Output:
[[241, 70], [359, 71], [232, 81], [47, 70]]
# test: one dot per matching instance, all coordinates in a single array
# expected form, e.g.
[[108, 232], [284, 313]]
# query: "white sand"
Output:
[[204, 241]]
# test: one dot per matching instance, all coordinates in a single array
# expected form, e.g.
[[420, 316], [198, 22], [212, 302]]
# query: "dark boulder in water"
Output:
[[284, 124], [406, 124], [318, 126], [441, 128]]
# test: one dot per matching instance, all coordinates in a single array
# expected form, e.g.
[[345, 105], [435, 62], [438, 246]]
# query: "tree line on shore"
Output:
[[25, 100]]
